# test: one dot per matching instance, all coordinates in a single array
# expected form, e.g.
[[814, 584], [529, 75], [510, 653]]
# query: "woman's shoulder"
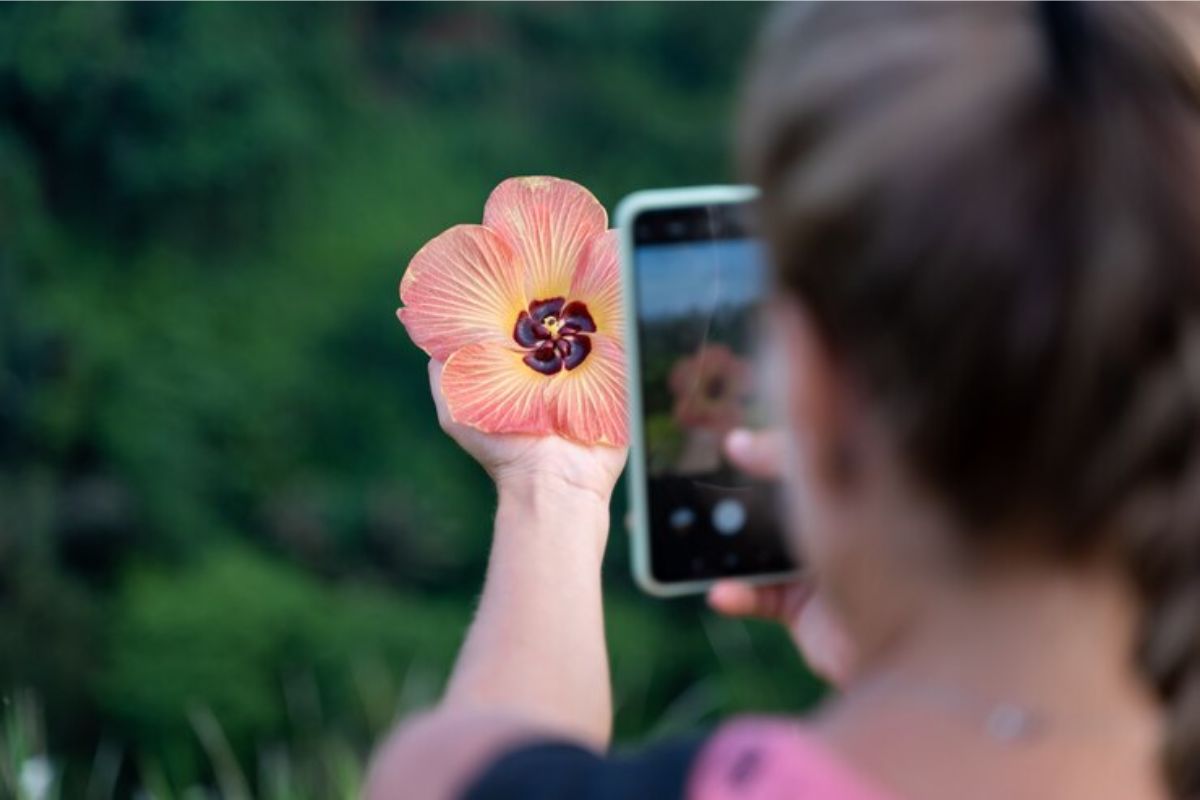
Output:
[[752, 758], [757, 758]]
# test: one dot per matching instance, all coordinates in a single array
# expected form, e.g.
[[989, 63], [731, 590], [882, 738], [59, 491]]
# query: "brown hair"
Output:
[[991, 212]]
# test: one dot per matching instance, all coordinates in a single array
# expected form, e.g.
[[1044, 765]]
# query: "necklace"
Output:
[[1001, 720]]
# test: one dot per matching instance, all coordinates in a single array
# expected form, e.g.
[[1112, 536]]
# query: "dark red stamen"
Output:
[[545, 359], [561, 344], [575, 315], [580, 346], [540, 309], [525, 331]]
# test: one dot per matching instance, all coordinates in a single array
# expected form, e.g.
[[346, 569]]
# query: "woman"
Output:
[[985, 224]]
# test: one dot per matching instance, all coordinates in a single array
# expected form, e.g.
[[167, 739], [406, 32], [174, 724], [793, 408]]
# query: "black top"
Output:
[[564, 771]]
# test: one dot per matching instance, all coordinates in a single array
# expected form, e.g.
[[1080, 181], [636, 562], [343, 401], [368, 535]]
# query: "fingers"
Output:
[[734, 599], [758, 453], [781, 602], [820, 639], [439, 399]]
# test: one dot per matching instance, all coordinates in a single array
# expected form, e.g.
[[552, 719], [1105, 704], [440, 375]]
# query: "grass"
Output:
[[313, 764], [321, 752]]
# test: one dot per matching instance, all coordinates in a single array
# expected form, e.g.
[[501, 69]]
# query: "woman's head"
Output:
[[990, 218]]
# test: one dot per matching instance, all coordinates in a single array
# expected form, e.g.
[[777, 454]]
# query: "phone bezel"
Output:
[[639, 507]]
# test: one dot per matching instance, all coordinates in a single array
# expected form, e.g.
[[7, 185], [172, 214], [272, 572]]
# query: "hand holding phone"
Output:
[[796, 603]]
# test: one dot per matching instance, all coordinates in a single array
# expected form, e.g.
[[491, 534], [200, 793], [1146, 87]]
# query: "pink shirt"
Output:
[[771, 759]]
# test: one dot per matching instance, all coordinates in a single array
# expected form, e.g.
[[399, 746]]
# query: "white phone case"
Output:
[[639, 514]]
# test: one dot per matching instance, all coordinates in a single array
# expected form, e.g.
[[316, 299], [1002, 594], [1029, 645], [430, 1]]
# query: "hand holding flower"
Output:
[[523, 463], [521, 317], [525, 312]]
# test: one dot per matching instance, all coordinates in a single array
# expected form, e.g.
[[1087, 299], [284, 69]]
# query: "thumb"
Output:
[[781, 602], [759, 453]]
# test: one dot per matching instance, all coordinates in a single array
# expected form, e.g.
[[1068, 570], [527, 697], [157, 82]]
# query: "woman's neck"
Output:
[[1052, 637], [1055, 644]]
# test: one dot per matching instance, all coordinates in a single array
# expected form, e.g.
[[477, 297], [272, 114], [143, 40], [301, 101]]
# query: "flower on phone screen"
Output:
[[711, 388], [525, 311]]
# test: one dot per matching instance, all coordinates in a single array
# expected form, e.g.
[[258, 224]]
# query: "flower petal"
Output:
[[464, 286], [597, 284], [711, 388], [588, 403], [488, 387], [548, 221]]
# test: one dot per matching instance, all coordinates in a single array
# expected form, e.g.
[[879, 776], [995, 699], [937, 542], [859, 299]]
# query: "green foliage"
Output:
[[225, 505], [266, 650]]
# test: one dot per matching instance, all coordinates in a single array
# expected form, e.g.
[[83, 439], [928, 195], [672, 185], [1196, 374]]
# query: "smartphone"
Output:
[[694, 280]]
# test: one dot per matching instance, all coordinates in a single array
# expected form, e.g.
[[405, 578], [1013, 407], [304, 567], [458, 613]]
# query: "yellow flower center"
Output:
[[552, 324]]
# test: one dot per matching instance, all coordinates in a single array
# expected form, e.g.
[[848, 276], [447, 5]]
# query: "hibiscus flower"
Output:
[[525, 311], [711, 388]]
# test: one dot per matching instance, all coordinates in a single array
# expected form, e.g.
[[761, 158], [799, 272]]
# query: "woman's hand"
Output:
[[550, 461], [797, 604]]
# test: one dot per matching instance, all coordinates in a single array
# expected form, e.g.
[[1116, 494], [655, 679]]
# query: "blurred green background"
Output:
[[233, 542]]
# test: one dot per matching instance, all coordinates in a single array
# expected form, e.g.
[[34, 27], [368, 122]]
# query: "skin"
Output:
[[534, 664], [891, 601]]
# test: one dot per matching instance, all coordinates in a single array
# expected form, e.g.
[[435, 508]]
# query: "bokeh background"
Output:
[[234, 544]]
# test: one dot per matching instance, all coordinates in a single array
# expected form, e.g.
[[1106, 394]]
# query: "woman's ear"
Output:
[[812, 394]]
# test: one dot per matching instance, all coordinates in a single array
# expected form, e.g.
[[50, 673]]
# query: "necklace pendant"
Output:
[[1009, 723]]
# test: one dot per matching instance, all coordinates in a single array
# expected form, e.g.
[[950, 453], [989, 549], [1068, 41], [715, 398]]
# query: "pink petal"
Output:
[[488, 387], [708, 360], [597, 284], [548, 221], [464, 286], [588, 403], [695, 404]]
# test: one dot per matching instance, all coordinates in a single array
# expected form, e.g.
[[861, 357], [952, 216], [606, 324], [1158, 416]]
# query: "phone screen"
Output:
[[699, 283]]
